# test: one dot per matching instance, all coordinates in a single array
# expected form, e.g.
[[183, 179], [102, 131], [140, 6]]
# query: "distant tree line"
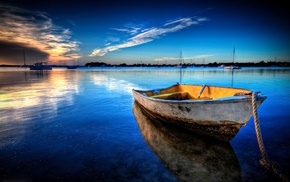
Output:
[[95, 64], [214, 64]]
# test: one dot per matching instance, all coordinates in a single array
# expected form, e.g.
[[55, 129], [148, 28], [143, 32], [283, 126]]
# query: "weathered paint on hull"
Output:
[[219, 119], [224, 132]]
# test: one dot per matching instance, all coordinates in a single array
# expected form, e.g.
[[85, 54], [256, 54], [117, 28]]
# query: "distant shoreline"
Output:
[[101, 64]]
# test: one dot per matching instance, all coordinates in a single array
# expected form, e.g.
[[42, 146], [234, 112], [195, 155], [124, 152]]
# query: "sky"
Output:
[[149, 32]]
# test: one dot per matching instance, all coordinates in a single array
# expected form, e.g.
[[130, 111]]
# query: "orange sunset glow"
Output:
[[37, 31]]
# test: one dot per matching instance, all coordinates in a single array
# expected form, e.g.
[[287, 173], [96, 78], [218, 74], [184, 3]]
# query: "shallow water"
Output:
[[74, 125]]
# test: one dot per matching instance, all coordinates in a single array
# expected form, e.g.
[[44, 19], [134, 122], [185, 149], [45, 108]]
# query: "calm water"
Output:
[[83, 125]]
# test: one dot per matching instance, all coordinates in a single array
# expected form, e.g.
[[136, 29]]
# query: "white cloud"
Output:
[[203, 56], [36, 30], [131, 30], [187, 21], [149, 35], [111, 40], [166, 59]]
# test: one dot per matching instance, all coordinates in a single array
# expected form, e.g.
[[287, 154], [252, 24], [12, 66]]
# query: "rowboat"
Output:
[[188, 156], [213, 111]]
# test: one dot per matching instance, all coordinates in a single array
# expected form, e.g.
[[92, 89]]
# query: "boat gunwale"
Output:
[[219, 100]]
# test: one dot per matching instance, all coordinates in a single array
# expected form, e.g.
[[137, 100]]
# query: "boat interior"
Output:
[[195, 92]]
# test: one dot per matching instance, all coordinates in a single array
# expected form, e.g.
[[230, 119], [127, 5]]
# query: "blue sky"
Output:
[[143, 31]]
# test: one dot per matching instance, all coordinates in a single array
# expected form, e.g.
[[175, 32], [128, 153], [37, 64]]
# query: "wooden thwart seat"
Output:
[[172, 96]]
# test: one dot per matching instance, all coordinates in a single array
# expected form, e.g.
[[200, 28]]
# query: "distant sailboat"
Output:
[[24, 61], [180, 65], [40, 66], [72, 66], [233, 66]]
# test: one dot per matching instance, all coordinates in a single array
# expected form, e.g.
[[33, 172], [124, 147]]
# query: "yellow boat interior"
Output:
[[195, 92]]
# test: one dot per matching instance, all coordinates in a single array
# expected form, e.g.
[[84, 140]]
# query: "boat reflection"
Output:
[[189, 157]]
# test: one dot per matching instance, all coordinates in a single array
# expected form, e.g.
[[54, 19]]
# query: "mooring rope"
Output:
[[264, 161]]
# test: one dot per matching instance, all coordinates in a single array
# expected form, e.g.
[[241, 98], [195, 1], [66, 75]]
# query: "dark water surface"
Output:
[[83, 125]]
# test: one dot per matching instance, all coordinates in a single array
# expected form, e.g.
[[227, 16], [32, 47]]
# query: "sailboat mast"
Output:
[[181, 57], [24, 57], [234, 52]]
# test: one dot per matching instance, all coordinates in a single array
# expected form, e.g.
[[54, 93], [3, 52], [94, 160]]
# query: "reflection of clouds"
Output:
[[20, 99], [115, 85], [63, 89], [19, 96], [22, 103], [99, 79]]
